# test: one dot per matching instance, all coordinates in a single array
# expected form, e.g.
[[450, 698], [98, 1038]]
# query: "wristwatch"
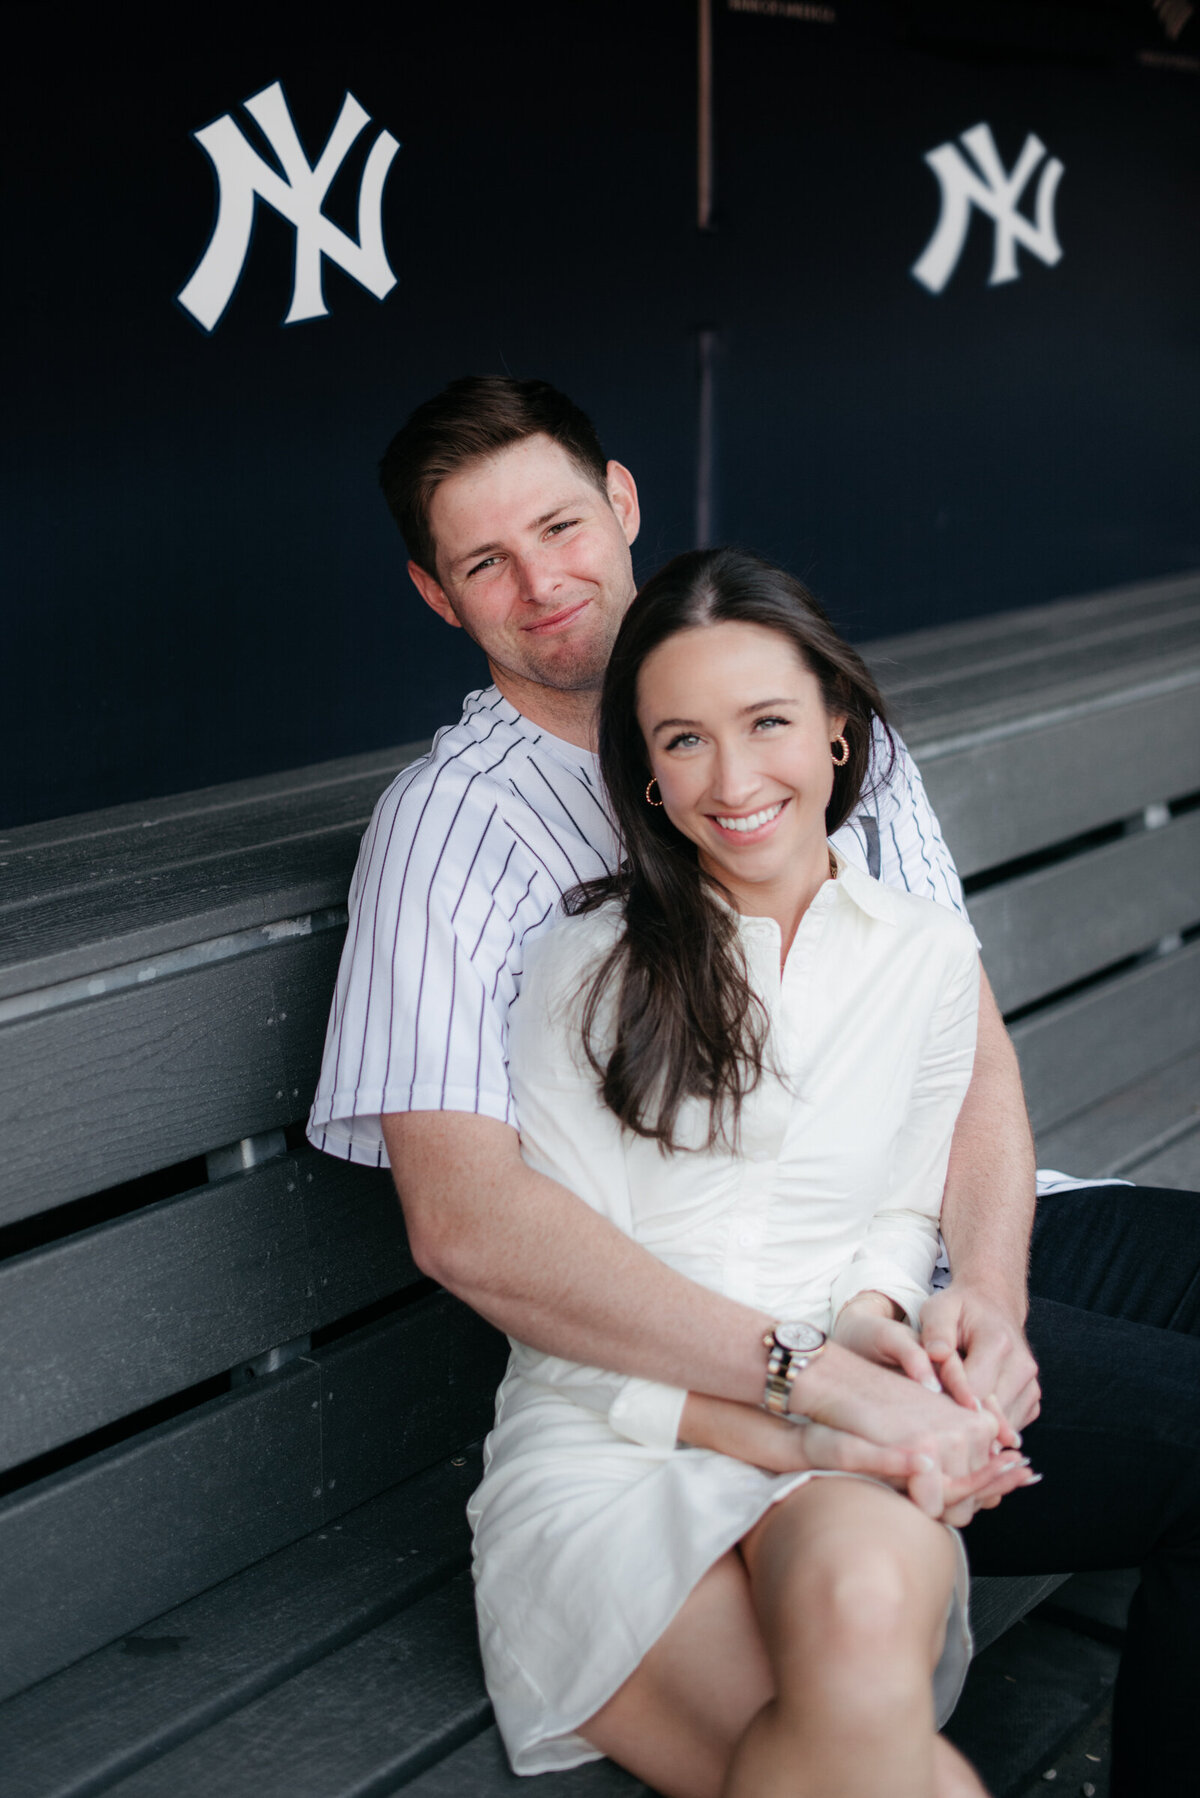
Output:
[[790, 1348]]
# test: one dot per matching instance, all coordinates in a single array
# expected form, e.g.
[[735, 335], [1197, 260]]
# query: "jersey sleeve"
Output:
[[898, 1253], [442, 900], [908, 849]]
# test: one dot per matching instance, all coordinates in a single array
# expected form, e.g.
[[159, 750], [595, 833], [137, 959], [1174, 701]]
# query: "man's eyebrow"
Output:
[[486, 549]]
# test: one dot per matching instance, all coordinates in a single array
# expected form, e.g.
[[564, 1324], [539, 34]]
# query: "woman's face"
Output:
[[740, 743]]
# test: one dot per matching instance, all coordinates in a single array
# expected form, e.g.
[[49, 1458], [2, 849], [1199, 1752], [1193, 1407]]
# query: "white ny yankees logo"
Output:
[[996, 194], [244, 177]]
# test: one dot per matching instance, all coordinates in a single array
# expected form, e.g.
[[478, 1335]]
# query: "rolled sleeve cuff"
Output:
[[865, 1276], [646, 1412]]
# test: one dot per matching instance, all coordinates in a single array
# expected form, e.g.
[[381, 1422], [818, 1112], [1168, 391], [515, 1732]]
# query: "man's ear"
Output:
[[623, 498], [431, 592]]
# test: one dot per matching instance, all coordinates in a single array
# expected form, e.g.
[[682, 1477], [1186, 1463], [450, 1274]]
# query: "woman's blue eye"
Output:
[[685, 736], [759, 721]]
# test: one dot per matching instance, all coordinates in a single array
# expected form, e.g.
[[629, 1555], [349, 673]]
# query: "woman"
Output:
[[750, 1056]]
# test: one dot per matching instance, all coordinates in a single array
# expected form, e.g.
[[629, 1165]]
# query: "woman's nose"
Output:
[[735, 779]]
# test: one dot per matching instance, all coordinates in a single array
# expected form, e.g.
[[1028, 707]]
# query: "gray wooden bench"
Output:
[[238, 1428]]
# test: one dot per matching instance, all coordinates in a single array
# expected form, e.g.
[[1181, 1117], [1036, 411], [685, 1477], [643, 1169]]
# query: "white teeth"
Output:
[[753, 821]]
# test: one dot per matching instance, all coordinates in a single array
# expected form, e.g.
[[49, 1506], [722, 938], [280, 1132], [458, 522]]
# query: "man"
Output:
[[520, 533]]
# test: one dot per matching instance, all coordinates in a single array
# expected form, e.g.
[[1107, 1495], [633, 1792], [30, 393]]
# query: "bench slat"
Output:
[[1042, 931], [1030, 657], [86, 933], [139, 1079], [117, 1317], [111, 1712], [1129, 1126], [1177, 1165], [368, 1718], [973, 638], [997, 800], [91, 1553], [1082, 1049], [974, 701]]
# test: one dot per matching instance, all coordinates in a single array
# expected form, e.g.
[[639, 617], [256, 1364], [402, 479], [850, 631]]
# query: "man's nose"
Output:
[[540, 579]]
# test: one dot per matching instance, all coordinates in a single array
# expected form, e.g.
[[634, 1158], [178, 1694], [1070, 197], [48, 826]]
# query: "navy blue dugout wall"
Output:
[[202, 581]]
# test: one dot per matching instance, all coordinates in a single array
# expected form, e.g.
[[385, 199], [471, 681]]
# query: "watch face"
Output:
[[800, 1338]]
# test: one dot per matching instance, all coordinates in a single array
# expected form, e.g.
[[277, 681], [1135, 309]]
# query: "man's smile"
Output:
[[557, 619]]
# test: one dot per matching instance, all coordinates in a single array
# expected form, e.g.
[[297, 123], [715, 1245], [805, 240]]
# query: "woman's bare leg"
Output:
[[677, 1719], [702, 1713], [953, 1774], [850, 1584]]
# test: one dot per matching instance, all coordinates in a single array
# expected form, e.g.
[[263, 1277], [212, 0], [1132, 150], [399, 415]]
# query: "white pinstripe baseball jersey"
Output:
[[466, 857]]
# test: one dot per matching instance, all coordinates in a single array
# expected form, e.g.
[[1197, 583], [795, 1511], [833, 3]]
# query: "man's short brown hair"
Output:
[[472, 417]]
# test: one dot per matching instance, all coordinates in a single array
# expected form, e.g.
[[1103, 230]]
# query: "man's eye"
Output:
[[564, 524], [486, 563]]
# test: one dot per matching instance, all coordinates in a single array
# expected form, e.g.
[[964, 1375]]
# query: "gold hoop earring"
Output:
[[652, 782], [840, 761]]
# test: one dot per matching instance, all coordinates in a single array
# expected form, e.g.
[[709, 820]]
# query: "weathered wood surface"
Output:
[[114, 1318], [1004, 794], [1130, 1127], [93, 891], [160, 1071], [1177, 1165], [1107, 1036], [367, 1719], [111, 1712], [1043, 931], [92, 1552]]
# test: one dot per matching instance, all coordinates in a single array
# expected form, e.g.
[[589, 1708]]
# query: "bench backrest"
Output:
[[213, 1338]]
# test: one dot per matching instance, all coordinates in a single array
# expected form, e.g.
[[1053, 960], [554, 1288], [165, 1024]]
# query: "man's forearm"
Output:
[[539, 1263], [987, 1211]]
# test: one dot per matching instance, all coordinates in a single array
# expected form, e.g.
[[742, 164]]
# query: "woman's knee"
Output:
[[860, 1591]]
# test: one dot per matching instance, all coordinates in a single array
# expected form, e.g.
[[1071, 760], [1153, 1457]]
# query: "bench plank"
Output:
[[116, 1317], [161, 1071], [118, 1708], [84, 933], [1079, 1050], [1177, 1165], [92, 1552], [1129, 1126], [367, 1718], [1043, 931], [1000, 798], [1073, 619]]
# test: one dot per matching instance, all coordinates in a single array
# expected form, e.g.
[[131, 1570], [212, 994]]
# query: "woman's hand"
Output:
[[871, 1325], [778, 1445]]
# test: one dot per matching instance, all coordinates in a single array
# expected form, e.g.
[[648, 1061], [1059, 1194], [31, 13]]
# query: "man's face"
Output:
[[533, 563]]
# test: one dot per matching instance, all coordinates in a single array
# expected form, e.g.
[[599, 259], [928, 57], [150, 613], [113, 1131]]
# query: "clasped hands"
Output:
[[937, 1416], [968, 1353]]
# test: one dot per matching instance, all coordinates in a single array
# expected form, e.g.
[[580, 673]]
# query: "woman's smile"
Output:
[[754, 824]]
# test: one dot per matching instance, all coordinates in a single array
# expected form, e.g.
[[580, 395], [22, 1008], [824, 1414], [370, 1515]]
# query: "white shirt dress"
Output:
[[591, 1526]]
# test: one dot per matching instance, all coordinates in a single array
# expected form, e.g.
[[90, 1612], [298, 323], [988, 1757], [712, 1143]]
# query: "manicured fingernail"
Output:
[[937, 1348], [1017, 1434], [931, 1385], [994, 1446], [979, 1404], [1034, 1479], [923, 1464]]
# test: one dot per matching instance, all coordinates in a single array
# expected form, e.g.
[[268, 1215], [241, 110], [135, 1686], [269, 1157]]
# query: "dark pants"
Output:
[[1115, 1324]]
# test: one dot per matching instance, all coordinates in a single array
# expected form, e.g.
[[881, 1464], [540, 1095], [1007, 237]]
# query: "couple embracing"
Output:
[[660, 1001]]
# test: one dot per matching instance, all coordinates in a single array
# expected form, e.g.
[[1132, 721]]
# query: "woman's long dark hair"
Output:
[[687, 1023]]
